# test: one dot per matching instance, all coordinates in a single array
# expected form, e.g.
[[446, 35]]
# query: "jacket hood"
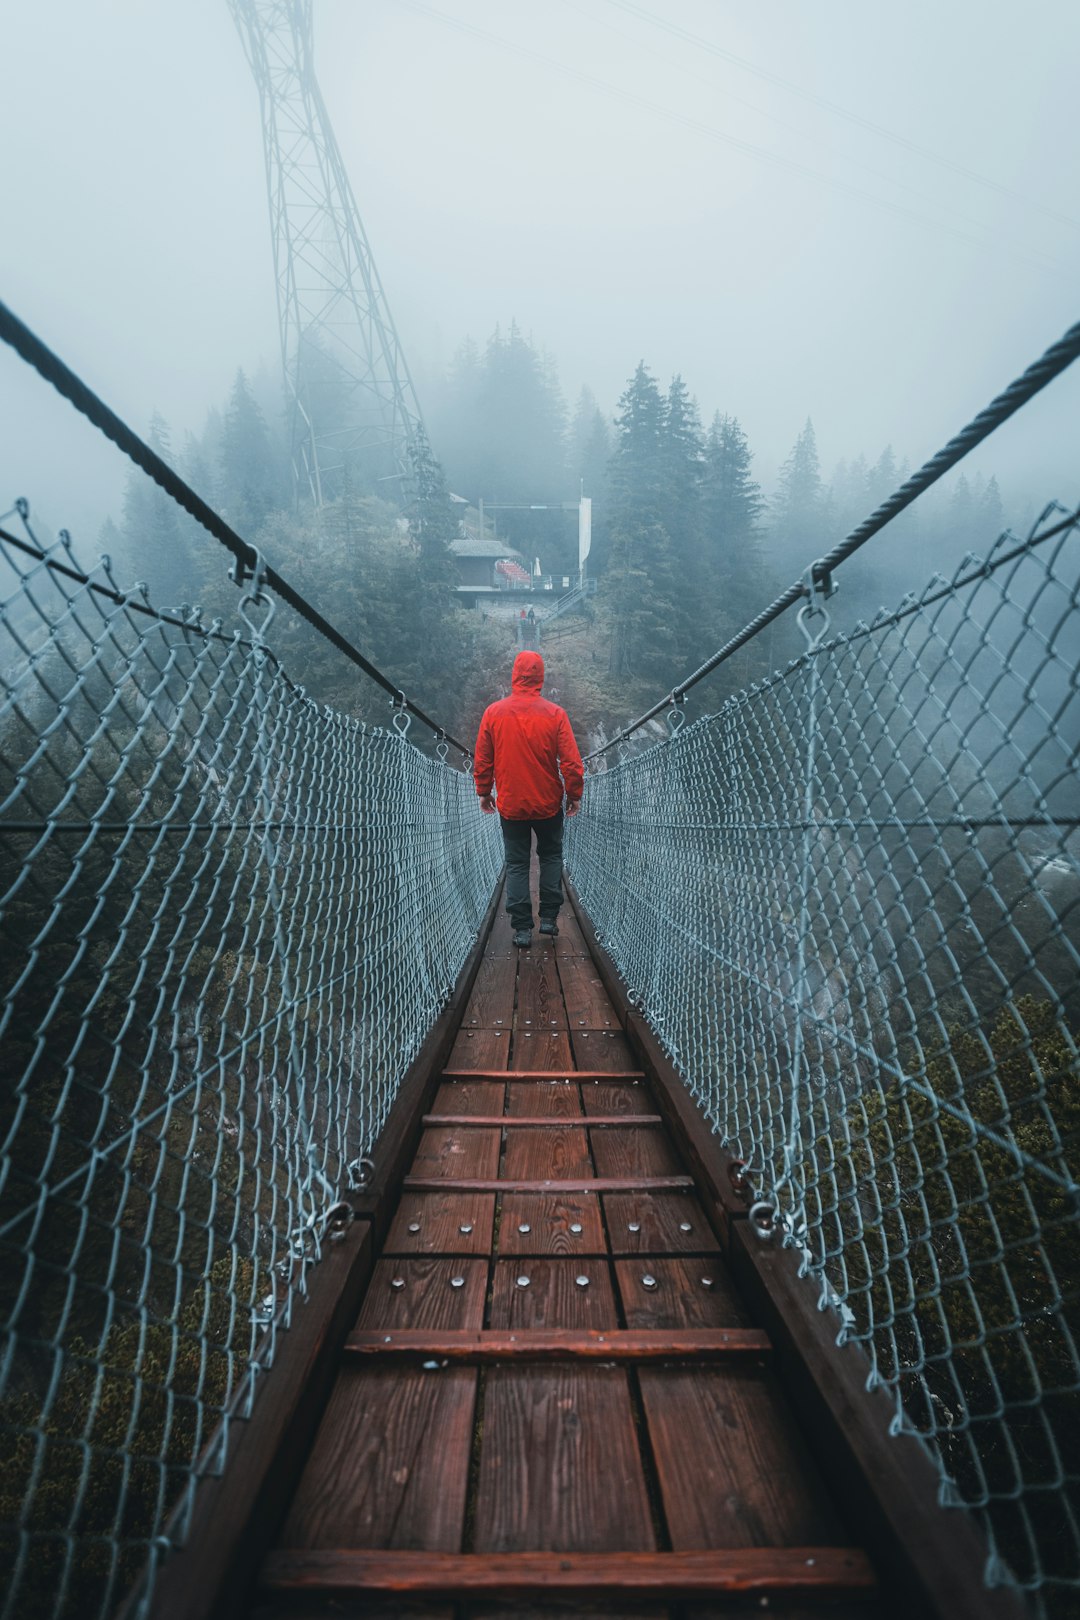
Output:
[[528, 675]]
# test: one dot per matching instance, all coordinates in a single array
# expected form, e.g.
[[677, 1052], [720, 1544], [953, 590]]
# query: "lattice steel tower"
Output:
[[352, 401]]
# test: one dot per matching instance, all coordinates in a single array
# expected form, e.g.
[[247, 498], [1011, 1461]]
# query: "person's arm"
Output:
[[570, 767], [484, 766]]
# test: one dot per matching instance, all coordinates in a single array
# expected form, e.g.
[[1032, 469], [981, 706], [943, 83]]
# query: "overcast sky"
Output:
[[863, 212]]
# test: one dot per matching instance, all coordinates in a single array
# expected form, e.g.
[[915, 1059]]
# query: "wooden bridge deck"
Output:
[[553, 1384], [547, 1372]]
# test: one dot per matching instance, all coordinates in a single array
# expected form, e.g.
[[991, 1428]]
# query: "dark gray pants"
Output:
[[517, 843]]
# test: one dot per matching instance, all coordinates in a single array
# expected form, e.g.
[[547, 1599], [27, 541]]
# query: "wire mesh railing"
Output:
[[229, 916], [849, 905]]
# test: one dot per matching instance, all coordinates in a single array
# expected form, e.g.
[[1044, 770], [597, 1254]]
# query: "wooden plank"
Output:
[[597, 1185], [469, 1097], [711, 1165], [539, 994], [542, 1051], [732, 1470], [391, 1464], [570, 941], [486, 1050], [655, 1223], [439, 1219], [634, 1152], [679, 1296], [550, 1219], [455, 1153], [601, 1049], [552, 1297], [558, 1344], [601, 1096], [556, 1120], [559, 1463], [588, 1005], [491, 1005], [558, 1097], [552, 1151], [421, 1293], [758, 1571]]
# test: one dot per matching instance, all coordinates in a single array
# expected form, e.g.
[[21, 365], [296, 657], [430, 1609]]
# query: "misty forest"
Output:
[[712, 1237], [686, 544]]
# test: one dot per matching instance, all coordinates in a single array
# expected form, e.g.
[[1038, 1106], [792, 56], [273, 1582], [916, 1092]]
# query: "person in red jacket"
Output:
[[526, 759]]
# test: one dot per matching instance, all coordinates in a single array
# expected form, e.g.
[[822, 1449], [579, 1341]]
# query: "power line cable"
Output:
[[711, 132], [700, 42], [86, 402], [1057, 358]]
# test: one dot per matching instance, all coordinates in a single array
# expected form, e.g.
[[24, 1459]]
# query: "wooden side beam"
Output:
[[572, 1075], [749, 1571], [584, 1184], [546, 1122], [615, 1344]]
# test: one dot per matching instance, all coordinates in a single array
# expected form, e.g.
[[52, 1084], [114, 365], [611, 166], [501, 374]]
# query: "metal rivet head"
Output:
[[397, 1282], [633, 1226], [465, 1228], [414, 1226], [575, 1227], [524, 1228], [582, 1282], [684, 1226], [457, 1282], [648, 1281], [523, 1282], [706, 1282]]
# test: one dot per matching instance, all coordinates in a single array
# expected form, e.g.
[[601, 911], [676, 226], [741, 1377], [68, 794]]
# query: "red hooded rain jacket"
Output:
[[526, 749]]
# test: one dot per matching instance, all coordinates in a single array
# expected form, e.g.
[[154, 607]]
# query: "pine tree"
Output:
[[963, 522], [251, 481], [154, 540], [990, 515], [732, 505], [642, 564], [797, 507]]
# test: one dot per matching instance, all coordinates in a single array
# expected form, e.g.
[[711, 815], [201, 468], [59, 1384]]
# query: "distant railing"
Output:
[[849, 905], [228, 917]]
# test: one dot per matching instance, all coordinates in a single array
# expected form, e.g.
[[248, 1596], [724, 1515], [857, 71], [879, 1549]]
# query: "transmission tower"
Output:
[[351, 398]]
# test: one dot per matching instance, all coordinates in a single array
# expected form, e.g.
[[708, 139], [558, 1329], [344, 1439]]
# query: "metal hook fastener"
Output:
[[441, 748], [337, 1221], [818, 586], [762, 1218], [257, 596], [401, 719], [676, 717], [360, 1172]]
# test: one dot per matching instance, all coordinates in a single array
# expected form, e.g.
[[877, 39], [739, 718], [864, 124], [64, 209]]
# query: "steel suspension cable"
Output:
[[50, 367], [1057, 359]]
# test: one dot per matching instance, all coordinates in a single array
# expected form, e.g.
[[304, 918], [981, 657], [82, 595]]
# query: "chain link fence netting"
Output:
[[229, 917], [849, 904]]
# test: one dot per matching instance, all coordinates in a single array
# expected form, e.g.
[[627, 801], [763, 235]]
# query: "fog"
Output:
[[856, 213]]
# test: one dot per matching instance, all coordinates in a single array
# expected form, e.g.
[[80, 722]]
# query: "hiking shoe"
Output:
[[523, 938], [548, 925]]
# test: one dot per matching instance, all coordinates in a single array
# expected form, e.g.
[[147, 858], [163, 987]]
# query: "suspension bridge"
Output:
[[719, 1256], [722, 1250]]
